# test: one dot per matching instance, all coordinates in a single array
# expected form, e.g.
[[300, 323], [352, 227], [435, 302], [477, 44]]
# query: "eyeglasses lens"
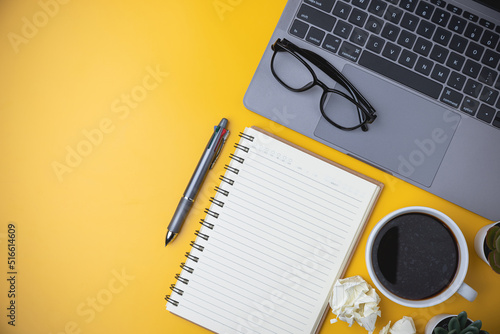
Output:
[[291, 71], [341, 111]]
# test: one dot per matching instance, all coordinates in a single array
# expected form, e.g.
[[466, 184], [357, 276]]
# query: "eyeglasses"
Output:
[[290, 68]]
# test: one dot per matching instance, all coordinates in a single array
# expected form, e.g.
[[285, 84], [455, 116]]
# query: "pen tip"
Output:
[[170, 236]]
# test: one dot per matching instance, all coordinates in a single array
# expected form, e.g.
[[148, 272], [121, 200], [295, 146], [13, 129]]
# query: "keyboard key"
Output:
[[440, 73], [440, 17], [342, 29], [342, 10], [377, 7], [424, 66], [325, 5], [490, 39], [456, 81], [491, 58], [393, 14], [472, 88], [458, 43], [439, 53], [358, 17], [359, 36], [473, 31], [408, 58], [374, 24], [485, 113], [424, 9], [471, 68], [422, 46], [400, 74], [471, 17], [440, 3], [315, 36], [455, 61], [299, 28], [442, 36], [451, 97], [406, 39], [454, 9], [488, 76], [489, 95], [316, 17], [390, 31], [350, 51], [426, 29], [487, 24], [391, 51], [408, 5], [409, 21], [360, 3], [469, 105], [375, 44], [474, 51], [331, 43], [457, 24]]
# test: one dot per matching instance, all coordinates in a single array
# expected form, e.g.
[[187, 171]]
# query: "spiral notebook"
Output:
[[279, 232]]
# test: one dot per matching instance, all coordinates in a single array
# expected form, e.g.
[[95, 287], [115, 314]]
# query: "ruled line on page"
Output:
[[204, 310], [280, 259], [259, 188], [279, 274], [284, 219], [249, 202], [300, 174], [308, 185], [260, 282], [282, 232], [219, 278]]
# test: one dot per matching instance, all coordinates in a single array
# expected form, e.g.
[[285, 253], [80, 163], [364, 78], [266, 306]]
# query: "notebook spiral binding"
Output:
[[207, 224]]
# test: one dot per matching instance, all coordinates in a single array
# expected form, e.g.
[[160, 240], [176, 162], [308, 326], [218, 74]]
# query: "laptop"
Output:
[[430, 68]]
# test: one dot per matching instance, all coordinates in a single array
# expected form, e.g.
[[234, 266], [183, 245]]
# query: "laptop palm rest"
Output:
[[409, 137]]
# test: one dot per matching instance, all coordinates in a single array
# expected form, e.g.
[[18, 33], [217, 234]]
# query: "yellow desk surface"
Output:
[[105, 109]]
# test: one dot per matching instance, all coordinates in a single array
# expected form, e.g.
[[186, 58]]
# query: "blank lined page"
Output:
[[284, 225]]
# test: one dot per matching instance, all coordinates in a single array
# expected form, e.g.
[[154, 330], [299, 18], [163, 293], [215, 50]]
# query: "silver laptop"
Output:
[[431, 71]]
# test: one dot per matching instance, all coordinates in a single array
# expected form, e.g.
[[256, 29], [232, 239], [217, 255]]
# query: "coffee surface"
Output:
[[415, 256]]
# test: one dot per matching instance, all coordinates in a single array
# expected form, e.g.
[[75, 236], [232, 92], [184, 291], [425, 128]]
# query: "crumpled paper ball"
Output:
[[403, 326], [353, 299]]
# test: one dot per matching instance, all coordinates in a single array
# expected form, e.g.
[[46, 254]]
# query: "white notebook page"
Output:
[[281, 239]]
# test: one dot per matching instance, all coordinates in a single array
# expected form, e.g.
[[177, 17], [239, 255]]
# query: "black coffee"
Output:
[[415, 256]]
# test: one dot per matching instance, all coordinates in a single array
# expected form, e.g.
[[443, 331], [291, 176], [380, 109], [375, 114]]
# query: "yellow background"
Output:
[[90, 237]]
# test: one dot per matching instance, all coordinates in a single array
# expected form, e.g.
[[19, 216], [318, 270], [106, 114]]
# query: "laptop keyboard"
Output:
[[436, 48]]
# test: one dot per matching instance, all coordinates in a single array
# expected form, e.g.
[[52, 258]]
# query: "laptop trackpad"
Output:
[[409, 137]]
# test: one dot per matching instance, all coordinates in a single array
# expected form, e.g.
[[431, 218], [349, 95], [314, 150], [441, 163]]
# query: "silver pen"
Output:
[[207, 161]]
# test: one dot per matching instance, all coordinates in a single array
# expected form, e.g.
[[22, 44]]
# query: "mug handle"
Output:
[[467, 292]]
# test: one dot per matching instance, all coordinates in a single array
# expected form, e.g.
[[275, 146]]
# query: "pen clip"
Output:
[[220, 144]]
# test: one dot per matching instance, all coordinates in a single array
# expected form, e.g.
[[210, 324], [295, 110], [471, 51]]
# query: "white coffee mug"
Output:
[[456, 285]]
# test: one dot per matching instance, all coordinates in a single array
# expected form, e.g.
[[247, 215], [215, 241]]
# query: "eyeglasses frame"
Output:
[[366, 112]]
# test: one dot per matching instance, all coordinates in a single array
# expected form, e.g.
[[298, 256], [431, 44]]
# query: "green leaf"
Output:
[[462, 319], [494, 261], [454, 331], [477, 324], [440, 330], [483, 332], [497, 242], [496, 238], [490, 236], [470, 329], [454, 324]]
